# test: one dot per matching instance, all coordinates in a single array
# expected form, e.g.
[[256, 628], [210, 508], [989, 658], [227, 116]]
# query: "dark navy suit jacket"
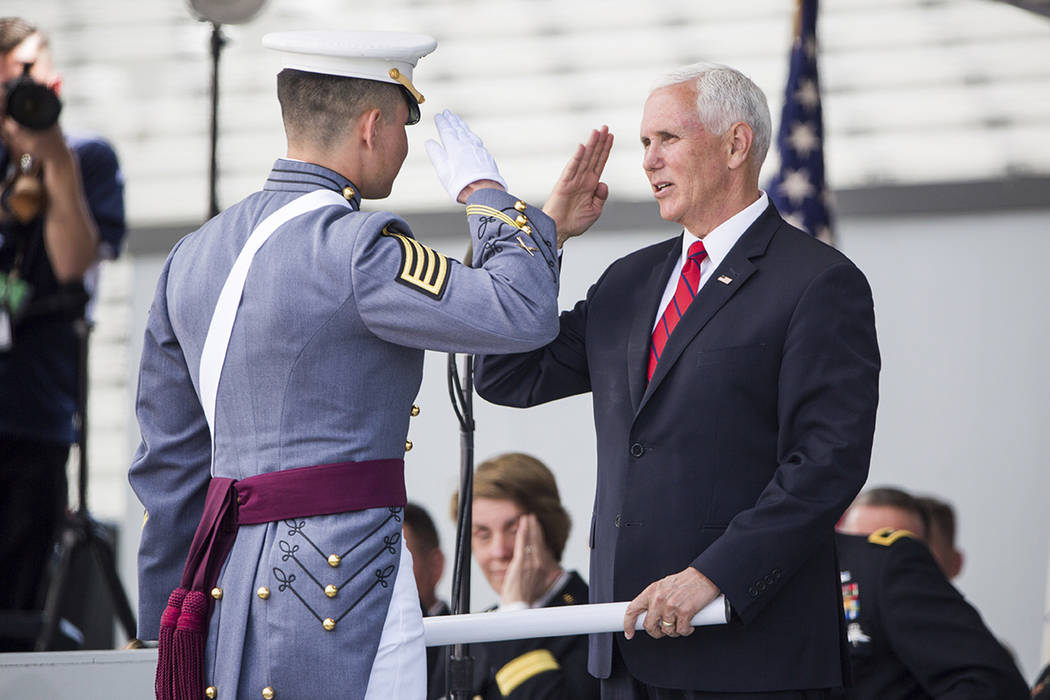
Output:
[[737, 458]]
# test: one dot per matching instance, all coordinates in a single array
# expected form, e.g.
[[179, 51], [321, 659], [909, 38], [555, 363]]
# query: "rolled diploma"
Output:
[[546, 622]]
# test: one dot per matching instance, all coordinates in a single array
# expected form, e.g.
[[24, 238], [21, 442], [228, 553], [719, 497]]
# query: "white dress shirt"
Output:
[[717, 244]]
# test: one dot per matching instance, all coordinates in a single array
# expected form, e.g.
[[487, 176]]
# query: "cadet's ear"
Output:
[[368, 126]]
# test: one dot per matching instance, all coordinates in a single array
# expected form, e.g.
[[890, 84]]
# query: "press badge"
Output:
[[14, 295]]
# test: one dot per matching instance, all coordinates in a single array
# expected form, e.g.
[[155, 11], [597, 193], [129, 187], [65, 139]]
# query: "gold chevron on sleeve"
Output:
[[524, 667], [482, 210], [422, 268]]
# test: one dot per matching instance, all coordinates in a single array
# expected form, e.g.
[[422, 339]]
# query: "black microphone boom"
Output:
[[459, 668]]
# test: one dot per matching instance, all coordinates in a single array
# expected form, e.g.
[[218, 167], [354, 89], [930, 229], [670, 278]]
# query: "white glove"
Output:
[[461, 157]]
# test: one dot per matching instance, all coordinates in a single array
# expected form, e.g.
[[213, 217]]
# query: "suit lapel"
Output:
[[725, 280], [648, 295]]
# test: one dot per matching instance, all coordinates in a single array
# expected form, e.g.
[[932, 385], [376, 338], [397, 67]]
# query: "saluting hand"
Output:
[[670, 604], [579, 195], [532, 565], [460, 159]]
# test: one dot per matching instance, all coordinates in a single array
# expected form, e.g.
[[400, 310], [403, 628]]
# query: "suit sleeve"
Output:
[[412, 295], [826, 398], [552, 372], [938, 635], [171, 467]]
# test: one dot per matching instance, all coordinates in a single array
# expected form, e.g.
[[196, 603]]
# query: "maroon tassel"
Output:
[[164, 683], [189, 639]]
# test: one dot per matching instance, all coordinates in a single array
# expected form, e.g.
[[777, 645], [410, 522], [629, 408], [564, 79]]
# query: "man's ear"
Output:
[[954, 564], [740, 138], [368, 127]]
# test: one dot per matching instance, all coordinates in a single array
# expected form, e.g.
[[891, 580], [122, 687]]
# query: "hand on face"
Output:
[[532, 565], [670, 604]]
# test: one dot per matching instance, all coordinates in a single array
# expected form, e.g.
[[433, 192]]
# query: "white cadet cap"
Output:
[[387, 57]]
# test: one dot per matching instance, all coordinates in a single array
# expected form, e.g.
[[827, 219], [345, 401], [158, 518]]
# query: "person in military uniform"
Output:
[[519, 530], [885, 506], [281, 357], [940, 535], [911, 633]]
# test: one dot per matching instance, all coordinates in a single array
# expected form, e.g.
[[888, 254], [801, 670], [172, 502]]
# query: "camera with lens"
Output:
[[31, 104], [34, 106]]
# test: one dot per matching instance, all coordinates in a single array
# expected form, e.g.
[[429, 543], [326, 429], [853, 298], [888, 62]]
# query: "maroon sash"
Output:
[[325, 489]]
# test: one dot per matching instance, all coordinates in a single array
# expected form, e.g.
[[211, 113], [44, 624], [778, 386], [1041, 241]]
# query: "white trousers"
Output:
[[400, 667]]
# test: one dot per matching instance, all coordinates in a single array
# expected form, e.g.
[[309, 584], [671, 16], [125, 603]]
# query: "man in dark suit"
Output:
[[733, 429]]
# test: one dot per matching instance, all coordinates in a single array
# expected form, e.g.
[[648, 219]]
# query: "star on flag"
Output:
[[798, 190]]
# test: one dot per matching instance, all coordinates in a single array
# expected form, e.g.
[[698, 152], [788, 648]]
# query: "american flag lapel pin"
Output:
[[725, 279]]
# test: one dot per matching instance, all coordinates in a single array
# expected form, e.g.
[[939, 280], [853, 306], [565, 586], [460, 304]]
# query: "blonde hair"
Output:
[[526, 481]]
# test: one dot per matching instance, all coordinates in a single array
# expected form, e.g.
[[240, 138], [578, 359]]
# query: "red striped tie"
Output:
[[688, 284]]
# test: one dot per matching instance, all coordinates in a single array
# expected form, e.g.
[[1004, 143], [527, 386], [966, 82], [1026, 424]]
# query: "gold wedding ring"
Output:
[[665, 623]]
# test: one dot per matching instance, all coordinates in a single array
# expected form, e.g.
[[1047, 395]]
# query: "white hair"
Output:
[[725, 96]]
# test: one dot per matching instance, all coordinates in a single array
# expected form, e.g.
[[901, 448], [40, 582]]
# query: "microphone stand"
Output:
[[81, 530], [218, 40], [459, 665]]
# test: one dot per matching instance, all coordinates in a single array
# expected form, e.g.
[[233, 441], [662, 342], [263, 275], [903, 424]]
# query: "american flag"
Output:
[[798, 190]]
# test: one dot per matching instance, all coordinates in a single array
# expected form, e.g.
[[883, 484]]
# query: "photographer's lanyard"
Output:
[[14, 295], [5, 330], [213, 356]]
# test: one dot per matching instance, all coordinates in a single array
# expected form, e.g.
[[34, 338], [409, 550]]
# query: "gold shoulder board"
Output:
[[518, 670], [887, 536]]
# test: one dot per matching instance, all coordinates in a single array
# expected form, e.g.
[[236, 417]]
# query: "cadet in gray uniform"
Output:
[[282, 354]]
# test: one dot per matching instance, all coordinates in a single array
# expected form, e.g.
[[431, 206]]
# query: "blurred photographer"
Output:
[[61, 210]]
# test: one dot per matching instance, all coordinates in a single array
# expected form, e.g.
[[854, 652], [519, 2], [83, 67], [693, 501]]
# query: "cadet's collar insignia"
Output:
[[851, 600], [887, 536], [855, 635], [422, 268]]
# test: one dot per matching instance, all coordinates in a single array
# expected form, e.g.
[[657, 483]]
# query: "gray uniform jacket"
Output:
[[324, 361]]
